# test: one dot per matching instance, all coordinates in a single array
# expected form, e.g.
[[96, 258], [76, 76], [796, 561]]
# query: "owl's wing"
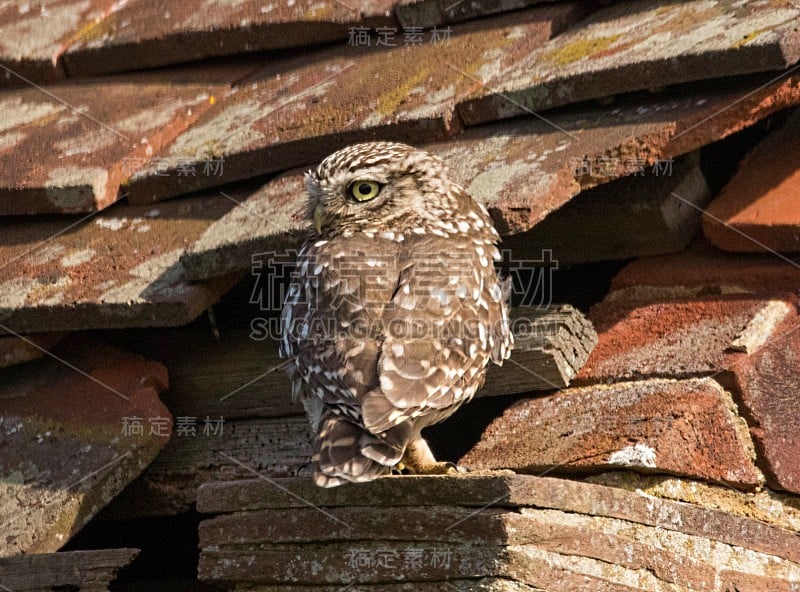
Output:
[[438, 331]]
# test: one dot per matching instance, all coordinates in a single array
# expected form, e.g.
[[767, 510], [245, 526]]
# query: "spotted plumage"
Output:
[[395, 309]]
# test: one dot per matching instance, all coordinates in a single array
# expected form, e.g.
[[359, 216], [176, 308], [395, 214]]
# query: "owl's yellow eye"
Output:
[[365, 190]]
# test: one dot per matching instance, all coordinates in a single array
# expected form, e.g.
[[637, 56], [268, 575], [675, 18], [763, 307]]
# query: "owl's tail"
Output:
[[346, 452]]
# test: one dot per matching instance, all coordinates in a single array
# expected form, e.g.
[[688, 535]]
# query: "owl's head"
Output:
[[380, 186]]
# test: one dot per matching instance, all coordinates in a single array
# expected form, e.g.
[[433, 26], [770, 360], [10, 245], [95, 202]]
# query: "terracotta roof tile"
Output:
[[685, 428], [521, 170], [302, 109], [69, 148], [638, 45], [60, 425], [16, 350], [145, 34], [759, 209], [118, 269]]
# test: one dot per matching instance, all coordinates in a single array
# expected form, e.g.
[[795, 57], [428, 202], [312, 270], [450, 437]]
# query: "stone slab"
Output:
[[69, 148], [142, 34], [704, 270], [631, 46], [119, 268], [77, 571], [17, 350], [521, 170], [683, 337], [65, 450], [768, 383], [687, 428], [298, 111], [634, 216], [757, 210]]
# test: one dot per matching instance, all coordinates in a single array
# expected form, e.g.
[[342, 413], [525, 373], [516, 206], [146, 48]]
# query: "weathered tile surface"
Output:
[[68, 149], [769, 386], [768, 506], [521, 170], [300, 110], [144, 34], [681, 427], [119, 268], [636, 45], [77, 571], [758, 210], [66, 453], [681, 337], [16, 350], [34, 34], [703, 269]]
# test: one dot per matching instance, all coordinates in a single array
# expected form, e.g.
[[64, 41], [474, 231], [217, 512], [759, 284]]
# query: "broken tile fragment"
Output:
[[631, 217], [16, 350], [704, 270], [687, 428], [681, 337], [119, 268], [299, 111], [70, 439], [142, 34], [758, 210], [632, 46], [522, 170], [67, 150], [77, 571], [768, 383]]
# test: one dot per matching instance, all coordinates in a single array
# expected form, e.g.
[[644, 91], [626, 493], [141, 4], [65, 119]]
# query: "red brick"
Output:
[[68, 149], [16, 350], [119, 268], [300, 110], [59, 427], [703, 269], [627, 47], [769, 386], [681, 337], [685, 428], [758, 209]]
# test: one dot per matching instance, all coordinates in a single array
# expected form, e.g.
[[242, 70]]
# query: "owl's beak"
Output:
[[318, 219]]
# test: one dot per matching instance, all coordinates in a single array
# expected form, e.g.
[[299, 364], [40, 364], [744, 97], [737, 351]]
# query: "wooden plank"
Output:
[[74, 571]]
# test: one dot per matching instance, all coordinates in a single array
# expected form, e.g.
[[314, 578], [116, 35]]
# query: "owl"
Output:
[[394, 311]]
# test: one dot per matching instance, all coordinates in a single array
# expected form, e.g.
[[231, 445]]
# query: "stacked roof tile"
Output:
[[151, 197]]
